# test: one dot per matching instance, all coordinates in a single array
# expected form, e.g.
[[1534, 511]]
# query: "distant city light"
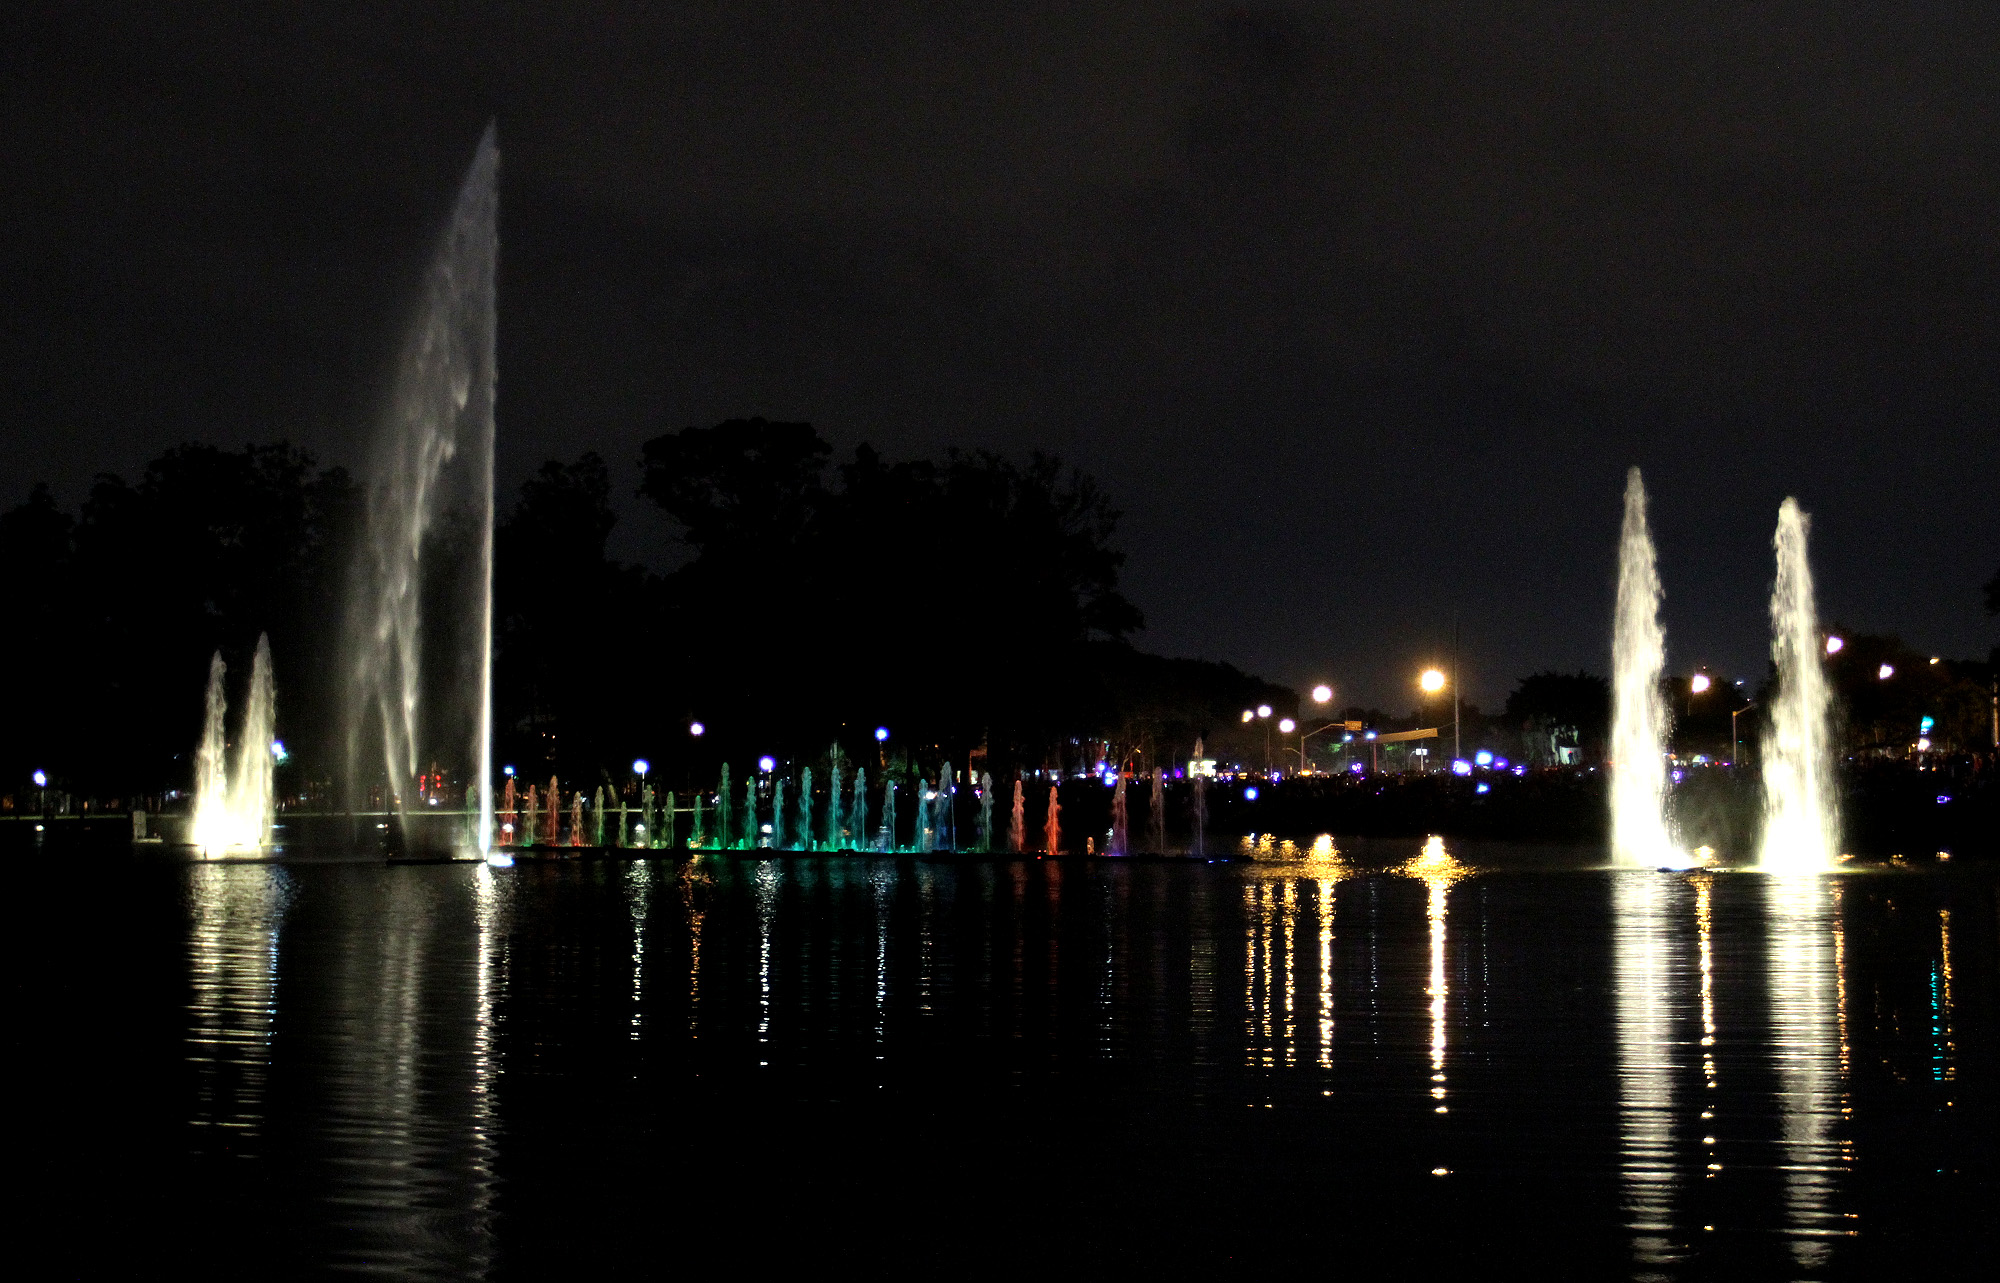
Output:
[[1263, 710], [1248, 715], [696, 728], [1499, 763], [1699, 683], [764, 828], [1886, 672], [1934, 659], [1357, 768], [1432, 681], [1250, 794], [1321, 694], [881, 733], [1677, 775], [1368, 735], [1287, 725], [1461, 767], [1943, 798], [1483, 758], [767, 764], [1923, 744], [1833, 645], [640, 766], [1520, 770], [41, 779], [1482, 787], [1924, 727]]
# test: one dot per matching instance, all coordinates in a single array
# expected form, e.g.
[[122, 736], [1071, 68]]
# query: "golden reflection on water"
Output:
[[1285, 882], [1437, 869]]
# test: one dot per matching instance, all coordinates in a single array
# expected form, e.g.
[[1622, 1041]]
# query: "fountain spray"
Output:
[[1639, 715], [860, 813], [1052, 826], [806, 809], [1119, 840], [1801, 823], [1017, 827], [1158, 832], [428, 525]]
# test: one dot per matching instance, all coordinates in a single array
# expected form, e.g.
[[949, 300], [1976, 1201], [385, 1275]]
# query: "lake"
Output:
[[1365, 1056]]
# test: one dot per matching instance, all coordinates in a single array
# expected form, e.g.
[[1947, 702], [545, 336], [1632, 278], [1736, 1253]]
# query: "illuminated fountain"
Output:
[[1800, 820], [233, 801], [420, 644], [1639, 715]]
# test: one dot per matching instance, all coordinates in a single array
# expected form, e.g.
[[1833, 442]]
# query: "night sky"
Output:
[[1359, 311]]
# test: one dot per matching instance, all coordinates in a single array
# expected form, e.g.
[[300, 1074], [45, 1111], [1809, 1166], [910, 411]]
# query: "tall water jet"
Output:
[[986, 811], [1158, 830], [945, 814], [1801, 823], [420, 639], [1017, 826], [750, 813], [778, 815], [1052, 826], [1119, 839], [1639, 713], [859, 822], [888, 843], [724, 834], [806, 809], [234, 800]]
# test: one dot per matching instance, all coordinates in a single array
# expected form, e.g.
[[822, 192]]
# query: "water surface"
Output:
[[1370, 1058]]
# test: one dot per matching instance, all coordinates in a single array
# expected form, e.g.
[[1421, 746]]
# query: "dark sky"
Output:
[[1359, 311]]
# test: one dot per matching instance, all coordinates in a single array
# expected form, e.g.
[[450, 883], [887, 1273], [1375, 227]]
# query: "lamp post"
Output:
[[1735, 740], [1431, 683]]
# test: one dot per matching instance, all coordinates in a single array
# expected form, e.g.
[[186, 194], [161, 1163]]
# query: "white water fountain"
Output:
[[1800, 815], [1639, 715], [420, 658], [233, 800]]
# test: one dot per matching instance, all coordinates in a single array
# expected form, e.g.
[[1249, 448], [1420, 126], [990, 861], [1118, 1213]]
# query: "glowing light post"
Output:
[[1322, 695], [42, 783], [1432, 682], [1735, 737]]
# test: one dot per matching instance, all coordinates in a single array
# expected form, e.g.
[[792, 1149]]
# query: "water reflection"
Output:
[[235, 912], [1437, 869], [379, 1008], [1649, 978], [1805, 1043]]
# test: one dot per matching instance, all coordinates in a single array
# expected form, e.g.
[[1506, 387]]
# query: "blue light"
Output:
[[1942, 797], [278, 752], [1499, 763], [506, 770], [1482, 787], [1250, 794], [1368, 735], [1520, 770], [1461, 767], [1357, 768], [1925, 728], [767, 764], [1677, 777], [641, 766], [696, 728], [881, 733], [1347, 739], [41, 779], [1483, 758]]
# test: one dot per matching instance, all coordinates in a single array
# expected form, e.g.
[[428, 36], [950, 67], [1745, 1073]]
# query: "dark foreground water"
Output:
[[1479, 1062]]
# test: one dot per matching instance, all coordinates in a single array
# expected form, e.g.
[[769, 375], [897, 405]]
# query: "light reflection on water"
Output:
[[385, 1018]]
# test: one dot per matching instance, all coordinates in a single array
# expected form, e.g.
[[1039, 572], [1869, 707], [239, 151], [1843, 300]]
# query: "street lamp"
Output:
[[696, 729], [1698, 683], [1735, 740], [1431, 683], [640, 767], [1322, 694]]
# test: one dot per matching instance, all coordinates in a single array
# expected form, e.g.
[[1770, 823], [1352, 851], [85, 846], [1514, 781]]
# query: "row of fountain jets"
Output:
[[429, 536], [1801, 819], [233, 800]]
